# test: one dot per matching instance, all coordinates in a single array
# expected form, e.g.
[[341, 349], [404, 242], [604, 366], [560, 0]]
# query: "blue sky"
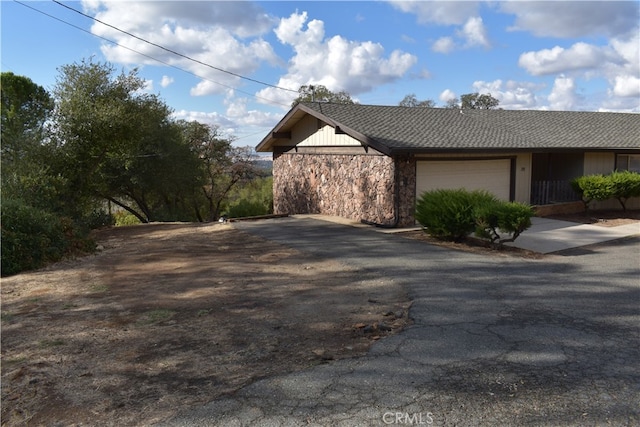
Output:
[[552, 55]]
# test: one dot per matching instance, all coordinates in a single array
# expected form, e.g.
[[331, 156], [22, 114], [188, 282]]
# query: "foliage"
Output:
[[478, 101], [592, 187], [32, 237], [454, 214], [123, 217], [252, 199], [450, 214], [452, 104], [411, 101], [320, 93], [502, 217], [626, 184], [223, 166], [117, 143], [25, 108]]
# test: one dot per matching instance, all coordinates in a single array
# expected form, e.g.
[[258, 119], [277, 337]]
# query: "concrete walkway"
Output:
[[495, 342], [550, 235]]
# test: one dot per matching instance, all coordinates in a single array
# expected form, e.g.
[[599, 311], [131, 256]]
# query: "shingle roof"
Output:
[[393, 129]]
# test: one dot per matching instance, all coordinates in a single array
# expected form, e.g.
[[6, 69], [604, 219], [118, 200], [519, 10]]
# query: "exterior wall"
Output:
[[354, 186], [311, 132], [522, 169], [406, 179]]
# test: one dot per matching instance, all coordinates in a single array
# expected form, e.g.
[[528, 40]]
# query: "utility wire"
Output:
[[173, 51], [149, 57]]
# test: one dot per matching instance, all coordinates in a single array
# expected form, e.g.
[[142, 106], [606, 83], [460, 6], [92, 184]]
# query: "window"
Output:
[[628, 162]]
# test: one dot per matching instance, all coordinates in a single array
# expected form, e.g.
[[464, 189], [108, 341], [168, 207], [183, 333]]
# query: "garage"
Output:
[[492, 175]]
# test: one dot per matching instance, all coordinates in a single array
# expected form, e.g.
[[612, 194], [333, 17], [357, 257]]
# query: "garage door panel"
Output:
[[492, 175]]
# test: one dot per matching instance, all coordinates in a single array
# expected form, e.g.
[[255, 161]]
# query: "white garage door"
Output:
[[493, 176]]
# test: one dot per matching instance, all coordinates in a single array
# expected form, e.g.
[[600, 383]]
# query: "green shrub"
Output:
[[121, 218], [592, 187], [625, 184], [245, 208], [511, 218], [450, 214], [32, 237], [619, 185], [454, 214]]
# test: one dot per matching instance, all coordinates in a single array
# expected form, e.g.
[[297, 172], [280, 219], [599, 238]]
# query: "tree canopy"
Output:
[[412, 101], [476, 101], [320, 93]]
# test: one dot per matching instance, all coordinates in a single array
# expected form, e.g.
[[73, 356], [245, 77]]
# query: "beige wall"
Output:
[[522, 169], [310, 132]]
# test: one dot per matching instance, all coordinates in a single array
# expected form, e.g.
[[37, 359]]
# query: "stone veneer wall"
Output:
[[407, 190], [358, 187]]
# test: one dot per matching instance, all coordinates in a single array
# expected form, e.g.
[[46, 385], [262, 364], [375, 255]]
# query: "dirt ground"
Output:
[[170, 316]]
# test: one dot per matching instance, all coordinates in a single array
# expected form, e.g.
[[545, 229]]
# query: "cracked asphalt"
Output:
[[495, 341]]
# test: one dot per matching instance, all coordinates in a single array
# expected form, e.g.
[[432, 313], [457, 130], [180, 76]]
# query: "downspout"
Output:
[[396, 201]]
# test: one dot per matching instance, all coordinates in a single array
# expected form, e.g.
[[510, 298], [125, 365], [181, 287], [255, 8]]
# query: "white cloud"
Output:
[[166, 81], [223, 35], [563, 96], [474, 33], [337, 63], [512, 95], [447, 95], [443, 45], [627, 86], [213, 119], [573, 18], [439, 12], [580, 56]]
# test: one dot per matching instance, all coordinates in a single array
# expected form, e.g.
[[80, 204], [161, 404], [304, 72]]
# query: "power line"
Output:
[[148, 56], [173, 51]]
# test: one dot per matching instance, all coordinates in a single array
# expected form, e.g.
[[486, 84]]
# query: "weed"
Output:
[[51, 343], [203, 312], [6, 317], [157, 316], [98, 288]]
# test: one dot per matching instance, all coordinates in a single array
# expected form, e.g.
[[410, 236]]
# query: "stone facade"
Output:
[[354, 186]]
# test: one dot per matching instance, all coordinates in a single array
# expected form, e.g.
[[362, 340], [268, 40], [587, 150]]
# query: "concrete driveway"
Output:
[[495, 341]]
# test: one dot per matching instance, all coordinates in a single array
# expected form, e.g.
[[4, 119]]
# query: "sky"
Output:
[[238, 64]]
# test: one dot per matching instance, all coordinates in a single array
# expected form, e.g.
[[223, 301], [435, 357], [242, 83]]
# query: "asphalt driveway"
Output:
[[495, 341]]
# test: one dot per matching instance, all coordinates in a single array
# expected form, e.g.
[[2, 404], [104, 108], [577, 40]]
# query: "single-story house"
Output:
[[371, 162]]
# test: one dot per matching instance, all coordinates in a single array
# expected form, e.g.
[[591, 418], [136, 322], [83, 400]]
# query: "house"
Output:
[[371, 162]]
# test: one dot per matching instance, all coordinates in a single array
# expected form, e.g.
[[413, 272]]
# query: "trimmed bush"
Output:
[[592, 187], [450, 214], [493, 221], [625, 185], [454, 214]]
